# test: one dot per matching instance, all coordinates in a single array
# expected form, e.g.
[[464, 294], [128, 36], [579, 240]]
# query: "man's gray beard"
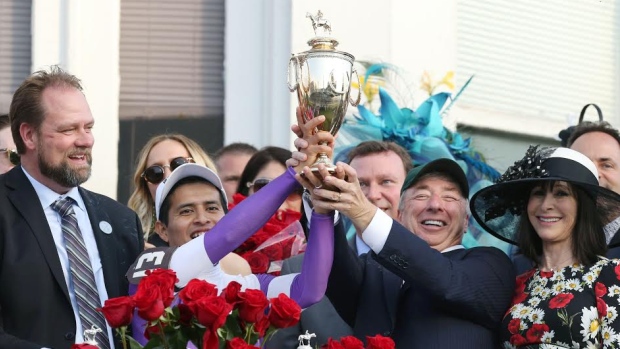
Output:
[[64, 174]]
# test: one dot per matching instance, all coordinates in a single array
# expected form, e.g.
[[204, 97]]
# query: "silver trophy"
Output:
[[321, 77], [304, 340], [89, 335]]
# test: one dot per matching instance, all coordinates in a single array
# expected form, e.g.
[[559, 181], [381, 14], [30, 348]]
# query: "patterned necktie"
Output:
[[82, 277]]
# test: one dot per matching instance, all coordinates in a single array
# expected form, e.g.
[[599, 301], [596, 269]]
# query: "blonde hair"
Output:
[[140, 200]]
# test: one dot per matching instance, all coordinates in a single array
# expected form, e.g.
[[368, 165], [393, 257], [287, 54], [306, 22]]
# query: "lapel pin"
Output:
[[105, 227]]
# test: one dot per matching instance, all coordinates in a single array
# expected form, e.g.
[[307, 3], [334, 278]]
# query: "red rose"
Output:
[[350, 342], [380, 342], [600, 290], [164, 279], [273, 252], [231, 292], [517, 340], [118, 311], [332, 344], [259, 263], [560, 301], [285, 312], [617, 270], [261, 326], [514, 326], [185, 314], [252, 306], [601, 306], [261, 236], [273, 227], [238, 343], [149, 302], [195, 290], [151, 330], [535, 333], [84, 346], [211, 311]]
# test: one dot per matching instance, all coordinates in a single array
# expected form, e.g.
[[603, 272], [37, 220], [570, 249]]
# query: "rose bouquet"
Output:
[[198, 314], [280, 238], [350, 342]]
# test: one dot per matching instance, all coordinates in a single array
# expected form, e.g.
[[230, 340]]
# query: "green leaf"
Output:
[[133, 344]]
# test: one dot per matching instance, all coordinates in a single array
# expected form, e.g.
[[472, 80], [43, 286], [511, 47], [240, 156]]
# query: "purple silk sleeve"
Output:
[[309, 286], [138, 324], [248, 217]]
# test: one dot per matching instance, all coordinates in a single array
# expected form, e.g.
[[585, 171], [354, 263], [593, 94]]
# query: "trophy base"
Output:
[[315, 171]]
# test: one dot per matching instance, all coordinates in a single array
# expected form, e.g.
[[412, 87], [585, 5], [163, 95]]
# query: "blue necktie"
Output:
[[82, 276]]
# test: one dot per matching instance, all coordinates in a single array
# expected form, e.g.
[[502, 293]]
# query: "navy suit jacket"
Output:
[[34, 301], [420, 297]]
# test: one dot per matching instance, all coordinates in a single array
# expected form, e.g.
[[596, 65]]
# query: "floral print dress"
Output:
[[575, 307]]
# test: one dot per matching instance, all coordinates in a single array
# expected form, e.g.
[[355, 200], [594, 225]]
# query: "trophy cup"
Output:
[[322, 77]]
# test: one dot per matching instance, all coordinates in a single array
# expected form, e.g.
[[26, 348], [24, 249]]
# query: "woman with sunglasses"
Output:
[[264, 166], [160, 156]]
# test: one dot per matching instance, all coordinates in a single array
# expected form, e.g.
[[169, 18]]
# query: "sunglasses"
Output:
[[259, 183], [155, 173], [12, 155]]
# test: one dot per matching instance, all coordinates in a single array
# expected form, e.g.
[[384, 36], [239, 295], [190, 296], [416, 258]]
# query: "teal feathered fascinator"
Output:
[[422, 133]]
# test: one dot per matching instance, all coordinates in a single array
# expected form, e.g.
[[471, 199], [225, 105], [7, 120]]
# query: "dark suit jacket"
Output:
[[34, 301], [320, 319], [452, 300], [614, 246]]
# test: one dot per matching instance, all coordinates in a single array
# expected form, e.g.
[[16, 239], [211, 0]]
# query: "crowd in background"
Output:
[[248, 215]]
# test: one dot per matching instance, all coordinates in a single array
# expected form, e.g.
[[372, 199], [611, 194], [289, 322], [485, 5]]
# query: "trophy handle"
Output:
[[355, 102], [294, 61], [332, 84]]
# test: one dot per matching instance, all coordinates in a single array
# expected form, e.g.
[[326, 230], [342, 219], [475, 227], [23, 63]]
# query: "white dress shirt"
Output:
[[47, 197]]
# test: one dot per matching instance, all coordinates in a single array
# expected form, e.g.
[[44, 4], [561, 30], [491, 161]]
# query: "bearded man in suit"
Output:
[[64, 250]]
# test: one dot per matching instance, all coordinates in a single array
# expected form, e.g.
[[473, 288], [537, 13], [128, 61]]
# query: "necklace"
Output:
[[560, 265]]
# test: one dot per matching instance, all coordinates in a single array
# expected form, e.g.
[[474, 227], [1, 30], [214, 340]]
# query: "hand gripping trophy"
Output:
[[321, 77]]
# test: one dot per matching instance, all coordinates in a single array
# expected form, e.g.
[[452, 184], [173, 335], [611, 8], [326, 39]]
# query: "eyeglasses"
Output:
[[155, 173], [259, 183], [12, 155]]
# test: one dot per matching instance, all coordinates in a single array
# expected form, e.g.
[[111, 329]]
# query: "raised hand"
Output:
[[313, 142], [341, 192]]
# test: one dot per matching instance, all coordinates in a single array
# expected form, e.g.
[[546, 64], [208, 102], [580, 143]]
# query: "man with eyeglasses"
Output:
[[8, 157], [64, 250]]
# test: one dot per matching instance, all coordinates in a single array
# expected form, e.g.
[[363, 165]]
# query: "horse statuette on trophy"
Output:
[[321, 77]]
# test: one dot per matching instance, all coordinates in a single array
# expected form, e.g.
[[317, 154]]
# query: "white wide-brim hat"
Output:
[[498, 208]]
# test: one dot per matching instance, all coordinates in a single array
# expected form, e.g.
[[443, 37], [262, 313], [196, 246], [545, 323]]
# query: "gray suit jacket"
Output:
[[320, 319]]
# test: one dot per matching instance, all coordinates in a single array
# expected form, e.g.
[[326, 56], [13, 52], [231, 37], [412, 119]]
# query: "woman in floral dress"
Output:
[[551, 206]]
